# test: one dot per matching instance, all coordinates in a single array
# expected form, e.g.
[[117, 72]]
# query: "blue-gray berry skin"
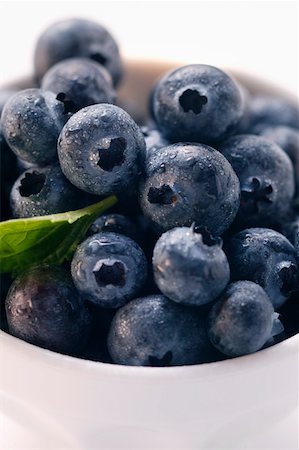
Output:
[[186, 183], [197, 103], [100, 150], [109, 269], [189, 266], [32, 120], [115, 223], [73, 38], [266, 257], [266, 177], [43, 308], [288, 139], [240, 322], [79, 82], [44, 190], [155, 331], [266, 110]]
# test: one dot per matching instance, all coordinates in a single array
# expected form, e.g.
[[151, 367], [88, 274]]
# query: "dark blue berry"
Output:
[[186, 104], [154, 331], [266, 110], [109, 269], [186, 183], [266, 177], [267, 258], [288, 139], [116, 223], [43, 308], [100, 150], [241, 321], [190, 266], [44, 190], [32, 120], [79, 82], [77, 38]]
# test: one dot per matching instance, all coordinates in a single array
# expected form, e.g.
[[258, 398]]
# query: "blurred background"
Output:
[[257, 37]]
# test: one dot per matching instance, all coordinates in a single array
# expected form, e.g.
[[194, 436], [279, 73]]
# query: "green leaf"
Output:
[[50, 239]]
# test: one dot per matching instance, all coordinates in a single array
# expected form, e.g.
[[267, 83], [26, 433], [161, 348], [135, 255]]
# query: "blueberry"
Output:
[[43, 308], [186, 104], [266, 110], [115, 223], [186, 183], [266, 177], [77, 38], [100, 149], [44, 190], [288, 139], [5, 95], [266, 257], [32, 120], [240, 322], [109, 269], [190, 266], [79, 82], [154, 331]]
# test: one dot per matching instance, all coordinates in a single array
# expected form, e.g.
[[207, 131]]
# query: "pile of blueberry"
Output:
[[199, 260]]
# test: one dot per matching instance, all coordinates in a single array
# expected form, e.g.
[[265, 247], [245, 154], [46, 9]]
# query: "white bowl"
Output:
[[52, 401]]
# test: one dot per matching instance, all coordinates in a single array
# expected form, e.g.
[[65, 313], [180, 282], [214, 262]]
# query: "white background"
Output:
[[259, 37]]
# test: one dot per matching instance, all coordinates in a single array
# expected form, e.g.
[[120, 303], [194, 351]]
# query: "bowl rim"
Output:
[[270, 355]]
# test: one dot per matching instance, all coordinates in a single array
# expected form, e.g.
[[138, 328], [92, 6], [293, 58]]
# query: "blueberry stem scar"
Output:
[[113, 155], [111, 274], [32, 184], [163, 195], [191, 100], [255, 194]]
